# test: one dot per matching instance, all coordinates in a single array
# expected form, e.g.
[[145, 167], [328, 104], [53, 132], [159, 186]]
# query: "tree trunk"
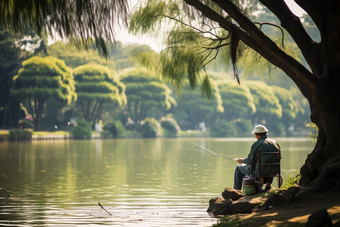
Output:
[[321, 170], [33, 114]]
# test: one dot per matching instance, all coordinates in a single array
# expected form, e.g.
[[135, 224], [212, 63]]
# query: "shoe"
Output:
[[267, 189]]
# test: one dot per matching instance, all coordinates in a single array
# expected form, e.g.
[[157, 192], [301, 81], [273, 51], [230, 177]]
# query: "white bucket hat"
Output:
[[260, 129]]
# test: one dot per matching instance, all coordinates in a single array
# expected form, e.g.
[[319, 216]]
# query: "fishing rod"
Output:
[[211, 151], [104, 209]]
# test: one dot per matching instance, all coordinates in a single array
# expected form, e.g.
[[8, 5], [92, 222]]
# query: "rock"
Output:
[[245, 206], [319, 219], [220, 206], [233, 194], [223, 209], [215, 203]]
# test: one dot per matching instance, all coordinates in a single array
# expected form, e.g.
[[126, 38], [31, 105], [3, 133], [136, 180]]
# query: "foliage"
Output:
[[116, 129], [288, 104], [19, 135], [11, 58], [243, 126], [193, 40], [223, 128], [314, 134], [74, 58], [170, 125], [276, 128], [40, 79], [42, 133], [293, 179], [195, 108], [151, 128], [96, 86], [133, 134], [25, 124], [144, 93], [85, 23], [237, 101], [82, 130], [266, 103]]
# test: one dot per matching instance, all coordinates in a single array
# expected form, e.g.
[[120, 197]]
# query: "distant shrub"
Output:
[[133, 134], [223, 128], [116, 129], [25, 124], [171, 128], [244, 126], [20, 135], [151, 128], [276, 128], [81, 130]]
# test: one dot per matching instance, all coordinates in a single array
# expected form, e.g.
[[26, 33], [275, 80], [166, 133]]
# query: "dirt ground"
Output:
[[294, 214]]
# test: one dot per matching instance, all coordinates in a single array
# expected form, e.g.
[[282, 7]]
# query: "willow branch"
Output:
[[258, 41], [292, 24]]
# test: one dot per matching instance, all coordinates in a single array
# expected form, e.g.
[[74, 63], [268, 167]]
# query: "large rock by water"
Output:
[[233, 194], [233, 202]]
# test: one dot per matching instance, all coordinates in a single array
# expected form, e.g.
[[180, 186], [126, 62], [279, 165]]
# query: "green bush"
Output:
[[244, 126], [20, 135], [292, 180], [223, 128], [151, 128], [81, 130], [25, 124], [171, 128], [314, 133], [276, 128], [133, 134], [116, 129]]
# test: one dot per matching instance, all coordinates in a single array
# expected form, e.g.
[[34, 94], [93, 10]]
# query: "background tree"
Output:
[[144, 93], [195, 106], [74, 58], [288, 104], [96, 86], [267, 104], [10, 63], [41, 79], [237, 101], [233, 31], [83, 22]]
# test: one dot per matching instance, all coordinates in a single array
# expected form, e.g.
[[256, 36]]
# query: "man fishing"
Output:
[[248, 165]]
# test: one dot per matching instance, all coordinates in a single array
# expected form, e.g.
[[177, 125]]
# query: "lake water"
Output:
[[140, 182]]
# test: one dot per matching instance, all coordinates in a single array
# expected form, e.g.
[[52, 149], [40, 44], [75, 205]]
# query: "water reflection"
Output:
[[149, 182]]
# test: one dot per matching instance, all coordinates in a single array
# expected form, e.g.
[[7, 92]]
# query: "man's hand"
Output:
[[239, 160]]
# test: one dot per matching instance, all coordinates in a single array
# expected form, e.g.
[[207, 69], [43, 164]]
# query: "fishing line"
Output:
[[104, 209], [211, 151]]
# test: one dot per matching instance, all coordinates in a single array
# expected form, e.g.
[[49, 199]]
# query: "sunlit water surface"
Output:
[[140, 182]]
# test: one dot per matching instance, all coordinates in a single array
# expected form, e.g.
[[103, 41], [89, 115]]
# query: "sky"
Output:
[[126, 38]]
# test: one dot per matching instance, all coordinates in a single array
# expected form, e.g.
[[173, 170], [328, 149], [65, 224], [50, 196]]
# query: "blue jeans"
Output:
[[242, 170]]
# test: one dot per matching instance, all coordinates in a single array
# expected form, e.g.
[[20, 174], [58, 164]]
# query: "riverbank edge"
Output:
[[97, 135], [293, 214]]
